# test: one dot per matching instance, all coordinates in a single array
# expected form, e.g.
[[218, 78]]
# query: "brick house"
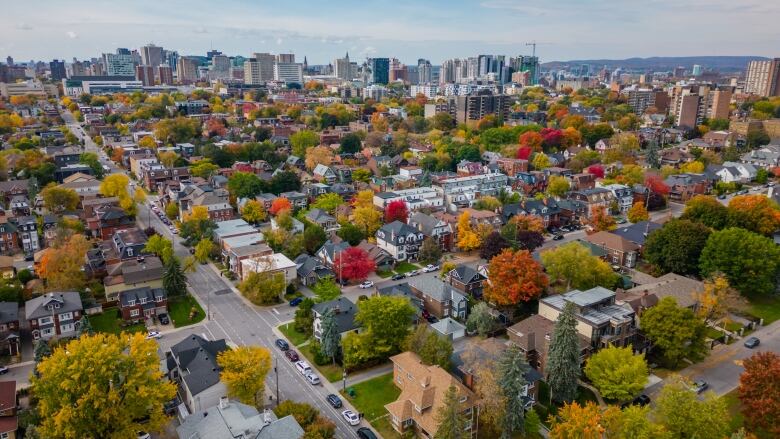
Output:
[[467, 280], [54, 315], [142, 303], [683, 187], [512, 167], [9, 422], [438, 298], [9, 240], [621, 251], [432, 227], [107, 220], [10, 342]]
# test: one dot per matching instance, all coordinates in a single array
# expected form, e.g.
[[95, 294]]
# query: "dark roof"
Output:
[[9, 312], [344, 315], [198, 356], [395, 230], [136, 294], [637, 233], [36, 307], [466, 274]]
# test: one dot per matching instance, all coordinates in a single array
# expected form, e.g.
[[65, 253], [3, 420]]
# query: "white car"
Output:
[[366, 284], [153, 334], [428, 268], [351, 417], [313, 379]]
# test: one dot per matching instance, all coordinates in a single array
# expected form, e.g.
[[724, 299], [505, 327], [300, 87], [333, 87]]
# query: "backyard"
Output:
[[370, 399], [179, 309], [110, 322]]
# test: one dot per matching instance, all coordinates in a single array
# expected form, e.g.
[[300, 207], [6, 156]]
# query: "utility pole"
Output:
[[276, 372]]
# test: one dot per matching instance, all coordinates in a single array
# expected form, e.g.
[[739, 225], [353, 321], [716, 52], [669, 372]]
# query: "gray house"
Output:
[[192, 364], [344, 312], [54, 314], [232, 420]]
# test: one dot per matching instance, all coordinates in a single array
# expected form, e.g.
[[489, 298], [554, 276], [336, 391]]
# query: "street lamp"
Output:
[[276, 372]]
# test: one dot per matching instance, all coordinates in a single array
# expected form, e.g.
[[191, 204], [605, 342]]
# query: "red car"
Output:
[[291, 355]]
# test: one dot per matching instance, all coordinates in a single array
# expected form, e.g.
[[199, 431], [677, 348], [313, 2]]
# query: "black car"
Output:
[[365, 433], [334, 401], [283, 345], [432, 319], [557, 237], [164, 319], [641, 400], [292, 356], [398, 277], [752, 342]]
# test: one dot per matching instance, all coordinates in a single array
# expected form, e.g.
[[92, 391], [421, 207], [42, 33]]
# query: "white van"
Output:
[[303, 367]]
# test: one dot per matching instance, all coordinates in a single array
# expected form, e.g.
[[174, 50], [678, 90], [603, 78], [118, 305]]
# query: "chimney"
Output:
[[223, 402]]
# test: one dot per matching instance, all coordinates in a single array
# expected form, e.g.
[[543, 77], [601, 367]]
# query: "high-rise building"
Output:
[[145, 74], [165, 73], [763, 78], [692, 103], [9, 60], [479, 104], [265, 63], [220, 67], [642, 99], [289, 72], [528, 64], [288, 58], [119, 65], [171, 57], [123, 51], [151, 55], [424, 71], [697, 70], [380, 70], [57, 70], [342, 68], [679, 72], [186, 70], [252, 72]]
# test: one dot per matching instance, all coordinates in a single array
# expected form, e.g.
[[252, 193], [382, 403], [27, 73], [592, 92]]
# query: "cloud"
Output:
[[24, 26], [200, 30], [72, 35]]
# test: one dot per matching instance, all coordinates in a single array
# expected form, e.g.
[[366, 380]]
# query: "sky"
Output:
[[405, 29]]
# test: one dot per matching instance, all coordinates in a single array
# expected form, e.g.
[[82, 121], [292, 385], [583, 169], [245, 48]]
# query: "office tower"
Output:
[[697, 70], [763, 78], [472, 68], [265, 63], [171, 57], [447, 72], [57, 69], [679, 72], [165, 73], [122, 51], [186, 70], [718, 104], [342, 68], [151, 55], [287, 58], [145, 74], [252, 72], [9, 60], [288, 72], [485, 62], [380, 70], [77, 68], [210, 54], [119, 65], [220, 67], [424, 71], [528, 64]]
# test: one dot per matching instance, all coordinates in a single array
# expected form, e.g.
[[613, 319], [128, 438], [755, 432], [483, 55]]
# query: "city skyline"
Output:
[[436, 30]]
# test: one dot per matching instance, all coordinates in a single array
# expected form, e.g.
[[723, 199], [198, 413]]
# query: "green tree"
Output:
[[263, 288], [617, 372], [245, 185], [203, 168], [330, 338], [749, 261], [558, 186], [362, 175], [685, 416], [243, 371], [174, 281], [304, 319], [563, 363], [203, 250], [762, 175], [314, 237], [302, 140], [674, 330], [159, 246], [350, 144], [452, 423], [706, 210], [91, 159], [85, 327], [101, 386], [573, 264], [677, 246], [532, 423], [326, 289], [383, 333], [481, 320], [430, 252], [41, 350], [351, 233], [512, 369], [432, 348], [328, 202], [57, 199], [172, 210]]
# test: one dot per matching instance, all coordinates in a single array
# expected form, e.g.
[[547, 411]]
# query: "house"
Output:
[[583, 181], [467, 280], [234, 228], [9, 328], [683, 289], [623, 195], [232, 419], [415, 198], [12, 188], [215, 201], [107, 220], [675, 157], [766, 157], [401, 240], [736, 172], [27, 229], [463, 191], [241, 248], [547, 209], [324, 173], [9, 240], [7, 268], [131, 274], [465, 168], [604, 145], [86, 186], [637, 232], [297, 199], [593, 197], [382, 259], [512, 167], [274, 263], [127, 244], [440, 299], [449, 328], [323, 219], [53, 314], [483, 218], [683, 187], [423, 390], [343, 312], [311, 269], [329, 252], [532, 336], [192, 364], [142, 303], [440, 231], [8, 404], [482, 355], [622, 252]]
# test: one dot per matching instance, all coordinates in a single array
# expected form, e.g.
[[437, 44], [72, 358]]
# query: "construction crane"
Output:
[[532, 43]]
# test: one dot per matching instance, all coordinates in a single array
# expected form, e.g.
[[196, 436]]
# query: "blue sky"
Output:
[[432, 29]]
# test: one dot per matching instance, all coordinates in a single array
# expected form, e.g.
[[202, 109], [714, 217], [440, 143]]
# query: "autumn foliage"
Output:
[[279, 205], [354, 263], [531, 139], [600, 219], [756, 213], [514, 277], [524, 152], [60, 267], [759, 391], [531, 223], [396, 211], [596, 170], [656, 185]]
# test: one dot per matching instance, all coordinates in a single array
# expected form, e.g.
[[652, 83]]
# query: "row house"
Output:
[[766, 157], [400, 240], [415, 198], [463, 191], [323, 219], [9, 240], [593, 197], [106, 221], [547, 209], [483, 218], [142, 303], [620, 251], [439, 230], [467, 280], [512, 167], [439, 298], [465, 168], [297, 199], [135, 273], [10, 342], [54, 315], [683, 187], [623, 195], [27, 229], [154, 175]]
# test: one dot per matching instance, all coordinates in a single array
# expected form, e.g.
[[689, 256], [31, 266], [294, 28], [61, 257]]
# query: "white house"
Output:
[[274, 263], [401, 240]]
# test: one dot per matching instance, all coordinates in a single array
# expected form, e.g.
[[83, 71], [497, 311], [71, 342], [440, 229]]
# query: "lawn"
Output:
[[765, 307], [713, 333], [330, 372], [179, 309], [110, 322], [405, 267], [383, 426], [735, 406], [372, 395], [384, 274], [293, 335]]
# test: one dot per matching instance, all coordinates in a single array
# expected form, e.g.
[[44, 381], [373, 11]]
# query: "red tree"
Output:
[[215, 127], [759, 391], [514, 277], [353, 263], [531, 139], [596, 170], [551, 137], [656, 185], [524, 152], [396, 211], [279, 205]]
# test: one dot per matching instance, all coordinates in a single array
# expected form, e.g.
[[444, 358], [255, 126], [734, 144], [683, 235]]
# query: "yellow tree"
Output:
[[541, 161], [147, 142], [101, 386], [197, 213], [61, 267], [638, 213], [468, 239], [531, 223], [692, 168], [318, 155], [576, 421], [243, 372], [254, 212], [115, 185], [716, 298], [364, 199], [168, 158], [58, 199], [368, 219]]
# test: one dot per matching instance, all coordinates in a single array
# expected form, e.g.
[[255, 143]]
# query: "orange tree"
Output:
[[600, 219], [756, 213], [514, 277]]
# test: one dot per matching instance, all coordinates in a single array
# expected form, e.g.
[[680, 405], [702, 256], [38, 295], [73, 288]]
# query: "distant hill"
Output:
[[663, 63]]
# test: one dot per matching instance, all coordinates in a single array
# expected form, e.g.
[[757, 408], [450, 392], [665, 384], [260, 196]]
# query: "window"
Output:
[[67, 328], [134, 313], [131, 302], [45, 320], [47, 331], [143, 300], [129, 252], [66, 316], [158, 299], [463, 399]]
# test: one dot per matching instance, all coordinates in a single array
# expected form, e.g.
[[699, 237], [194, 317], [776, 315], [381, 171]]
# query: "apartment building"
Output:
[[763, 78], [415, 198], [463, 191]]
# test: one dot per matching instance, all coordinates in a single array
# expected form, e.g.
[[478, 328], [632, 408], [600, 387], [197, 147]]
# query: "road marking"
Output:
[[276, 310]]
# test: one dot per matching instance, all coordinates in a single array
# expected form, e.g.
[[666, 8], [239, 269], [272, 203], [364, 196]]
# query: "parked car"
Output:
[[291, 355], [641, 400], [351, 417], [699, 386], [429, 268], [313, 379], [283, 345], [722, 196], [432, 319], [164, 318], [365, 433], [398, 277], [557, 237], [153, 334], [297, 301], [621, 220], [334, 401], [752, 342], [413, 273], [303, 367], [3, 370], [366, 284], [142, 435]]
